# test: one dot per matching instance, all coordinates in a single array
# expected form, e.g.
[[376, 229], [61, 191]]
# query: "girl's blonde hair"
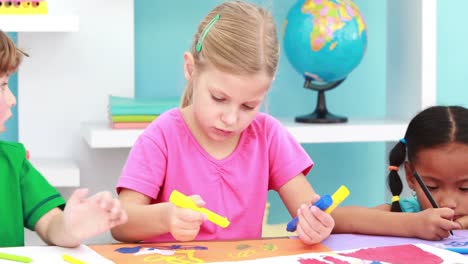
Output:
[[243, 41], [10, 56]]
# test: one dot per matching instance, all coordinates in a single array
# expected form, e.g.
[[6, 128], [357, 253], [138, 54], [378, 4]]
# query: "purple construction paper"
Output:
[[352, 241]]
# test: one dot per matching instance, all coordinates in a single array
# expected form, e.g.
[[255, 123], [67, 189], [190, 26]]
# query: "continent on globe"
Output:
[[334, 16], [325, 39]]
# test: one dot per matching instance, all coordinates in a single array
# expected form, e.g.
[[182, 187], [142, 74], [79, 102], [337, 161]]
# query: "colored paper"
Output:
[[205, 251], [412, 253], [349, 241], [133, 118], [272, 251], [130, 125], [137, 106]]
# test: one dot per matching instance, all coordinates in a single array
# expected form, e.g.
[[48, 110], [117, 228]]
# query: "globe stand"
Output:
[[321, 114]]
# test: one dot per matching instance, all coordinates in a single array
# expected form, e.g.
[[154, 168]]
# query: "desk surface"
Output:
[[217, 251]]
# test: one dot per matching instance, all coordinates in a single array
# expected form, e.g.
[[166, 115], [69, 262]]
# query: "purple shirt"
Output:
[[167, 157]]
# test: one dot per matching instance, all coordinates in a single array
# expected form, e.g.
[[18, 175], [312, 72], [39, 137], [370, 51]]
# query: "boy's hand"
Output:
[[314, 224], [184, 224], [435, 223], [87, 217]]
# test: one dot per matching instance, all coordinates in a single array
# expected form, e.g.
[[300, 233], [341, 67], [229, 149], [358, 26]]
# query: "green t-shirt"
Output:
[[25, 195]]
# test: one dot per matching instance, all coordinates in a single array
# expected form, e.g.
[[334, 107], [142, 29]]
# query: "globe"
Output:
[[324, 40]]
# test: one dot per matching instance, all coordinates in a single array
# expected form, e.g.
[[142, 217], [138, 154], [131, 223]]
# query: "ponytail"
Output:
[[396, 158]]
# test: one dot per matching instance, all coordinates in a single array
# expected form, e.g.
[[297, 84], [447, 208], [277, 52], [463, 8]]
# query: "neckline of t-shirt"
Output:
[[203, 151]]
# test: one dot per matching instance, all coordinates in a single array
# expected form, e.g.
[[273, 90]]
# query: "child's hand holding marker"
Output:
[[434, 223], [314, 223], [188, 215]]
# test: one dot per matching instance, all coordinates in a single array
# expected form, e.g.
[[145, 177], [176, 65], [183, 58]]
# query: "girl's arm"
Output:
[[314, 225], [432, 223], [295, 192], [463, 221], [82, 218], [146, 220], [373, 221]]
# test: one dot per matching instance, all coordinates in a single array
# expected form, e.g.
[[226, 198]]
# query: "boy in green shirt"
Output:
[[28, 200]]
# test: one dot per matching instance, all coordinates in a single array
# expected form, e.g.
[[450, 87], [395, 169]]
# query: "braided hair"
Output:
[[433, 127]]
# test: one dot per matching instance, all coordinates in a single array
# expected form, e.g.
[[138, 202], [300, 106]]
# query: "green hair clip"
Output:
[[205, 32]]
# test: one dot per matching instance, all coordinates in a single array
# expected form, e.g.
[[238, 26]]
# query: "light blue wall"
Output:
[[164, 30], [11, 133], [452, 56]]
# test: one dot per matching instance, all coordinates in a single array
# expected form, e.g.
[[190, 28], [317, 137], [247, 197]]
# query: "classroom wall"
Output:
[[452, 55]]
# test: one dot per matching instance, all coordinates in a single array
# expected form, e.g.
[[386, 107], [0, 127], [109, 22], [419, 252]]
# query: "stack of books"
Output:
[[137, 113]]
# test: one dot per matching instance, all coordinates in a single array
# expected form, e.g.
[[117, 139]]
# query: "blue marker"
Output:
[[323, 203], [461, 250]]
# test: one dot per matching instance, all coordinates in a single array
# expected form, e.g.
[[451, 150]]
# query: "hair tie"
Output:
[[205, 32], [392, 168], [395, 198], [403, 141]]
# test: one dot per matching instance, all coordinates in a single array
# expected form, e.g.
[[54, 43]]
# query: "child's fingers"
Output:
[[122, 219], [458, 225], [116, 211], [191, 216], [105, 200], [324, 218], [307, 235], [447, 225], [441, 234], [78, 195], [314, 199], [446, 213], [198, 200], [185, 234]]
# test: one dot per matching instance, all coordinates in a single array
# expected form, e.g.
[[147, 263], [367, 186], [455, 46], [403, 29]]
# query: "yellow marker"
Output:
[[338, 197], [184, 201], [72, 260]]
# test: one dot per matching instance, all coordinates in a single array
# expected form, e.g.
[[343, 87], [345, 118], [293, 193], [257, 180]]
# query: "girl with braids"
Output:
[[435, 147], [217, 147]]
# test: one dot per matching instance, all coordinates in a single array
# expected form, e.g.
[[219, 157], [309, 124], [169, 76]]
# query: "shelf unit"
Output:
[[39, 23], [411, 86], [100, 135], [58, 171]]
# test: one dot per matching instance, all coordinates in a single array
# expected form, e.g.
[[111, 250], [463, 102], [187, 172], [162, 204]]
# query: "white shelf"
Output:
[[59, 173], [377, 130], [39, 23], [100, 135]]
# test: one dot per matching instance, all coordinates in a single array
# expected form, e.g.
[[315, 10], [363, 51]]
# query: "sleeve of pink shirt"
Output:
[[287, 157], [145, 167]]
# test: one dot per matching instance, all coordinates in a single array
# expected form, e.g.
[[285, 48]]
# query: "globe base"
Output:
[[321, 114], [321, 118]]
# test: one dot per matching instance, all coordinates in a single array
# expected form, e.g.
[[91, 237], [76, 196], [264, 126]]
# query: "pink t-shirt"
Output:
[[167, 157]]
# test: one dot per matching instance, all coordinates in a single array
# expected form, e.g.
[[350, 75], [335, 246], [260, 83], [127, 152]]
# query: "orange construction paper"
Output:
[[205, 251]]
